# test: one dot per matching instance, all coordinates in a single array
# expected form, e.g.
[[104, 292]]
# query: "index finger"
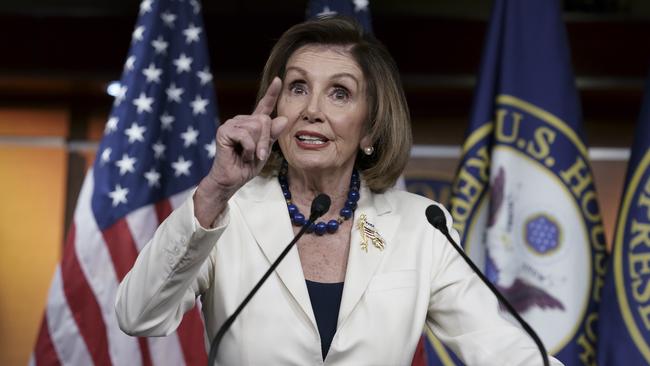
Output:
[[267, 103]]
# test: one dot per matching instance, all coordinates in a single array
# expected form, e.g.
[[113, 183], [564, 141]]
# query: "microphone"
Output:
[[319, 206], [437, 219]]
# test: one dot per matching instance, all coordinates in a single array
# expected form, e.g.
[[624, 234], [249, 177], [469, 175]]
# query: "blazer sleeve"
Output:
[[169, 273], [464, 314]]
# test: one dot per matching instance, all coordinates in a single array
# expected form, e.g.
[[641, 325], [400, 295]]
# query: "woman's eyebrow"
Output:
[[339, 75], [346, 75]]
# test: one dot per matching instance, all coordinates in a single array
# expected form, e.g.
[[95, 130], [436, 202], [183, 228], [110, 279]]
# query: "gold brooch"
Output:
[[368, 232]]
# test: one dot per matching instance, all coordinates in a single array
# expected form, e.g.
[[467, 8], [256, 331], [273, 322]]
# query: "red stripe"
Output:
[[83, 305], [144, 351], [44, 352], [121, 247], [190, 336], [163, 209], [123, 251], [420, 357], [190, 331]]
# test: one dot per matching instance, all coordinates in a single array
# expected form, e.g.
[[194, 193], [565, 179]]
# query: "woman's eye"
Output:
[[297, 88], [340, 94]]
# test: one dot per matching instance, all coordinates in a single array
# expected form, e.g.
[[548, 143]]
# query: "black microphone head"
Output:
[[436, 218], [319, 206]]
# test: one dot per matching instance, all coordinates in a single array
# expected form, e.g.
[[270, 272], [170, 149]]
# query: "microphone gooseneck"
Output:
[[437, 219], [319, 206]]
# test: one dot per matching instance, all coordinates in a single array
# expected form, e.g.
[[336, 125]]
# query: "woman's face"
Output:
[[324, 98]]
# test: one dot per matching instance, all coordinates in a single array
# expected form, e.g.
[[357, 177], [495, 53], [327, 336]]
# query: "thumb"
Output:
[[278, 125]]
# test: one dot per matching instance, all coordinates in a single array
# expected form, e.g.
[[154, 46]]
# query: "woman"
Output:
[[332, 118]]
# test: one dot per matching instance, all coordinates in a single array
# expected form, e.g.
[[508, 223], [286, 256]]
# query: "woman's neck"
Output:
[[305, 186]]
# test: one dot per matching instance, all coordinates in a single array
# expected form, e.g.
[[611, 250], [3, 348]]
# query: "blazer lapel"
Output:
[[362, 265], [272, 230]]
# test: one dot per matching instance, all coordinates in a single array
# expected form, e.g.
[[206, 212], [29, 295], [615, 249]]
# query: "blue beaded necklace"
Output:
[[320, 228]]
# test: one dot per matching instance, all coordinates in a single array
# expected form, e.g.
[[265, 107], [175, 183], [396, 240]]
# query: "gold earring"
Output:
[[368, 150]]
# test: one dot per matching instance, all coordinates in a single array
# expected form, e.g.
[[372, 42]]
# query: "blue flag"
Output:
[[624, 336], [356, 9], [523, 199]]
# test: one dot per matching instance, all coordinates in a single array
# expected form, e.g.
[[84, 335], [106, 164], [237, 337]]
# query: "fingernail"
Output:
[[262, 154]]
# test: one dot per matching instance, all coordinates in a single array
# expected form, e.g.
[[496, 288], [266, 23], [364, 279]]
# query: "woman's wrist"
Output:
[[210, 200]]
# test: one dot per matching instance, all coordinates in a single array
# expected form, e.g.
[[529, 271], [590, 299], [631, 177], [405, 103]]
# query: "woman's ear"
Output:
[[366, 146], [365, 142]]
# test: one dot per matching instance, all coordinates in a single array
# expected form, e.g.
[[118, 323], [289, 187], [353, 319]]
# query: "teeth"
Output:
[[311, 139]]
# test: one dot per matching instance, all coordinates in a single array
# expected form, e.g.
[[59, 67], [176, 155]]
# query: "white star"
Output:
[[143, 103], [183, 63], [168, 18], [153, 177], [118, 195], [106, 155], [326, 12], [211, 148], [189, 136], [181, 166], [160, 45], [360, 5], [120, 94], [174, 93], [152, 73], [138, 33], [166, 121], [130, 63], [192, 33], [158, 149], [126, 164], [204, 75], [145, 6], [111, 125], [135, 133], [198, 105], [197, 7]]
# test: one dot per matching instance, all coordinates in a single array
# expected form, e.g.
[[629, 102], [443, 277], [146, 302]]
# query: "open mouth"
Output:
[[312, 140]]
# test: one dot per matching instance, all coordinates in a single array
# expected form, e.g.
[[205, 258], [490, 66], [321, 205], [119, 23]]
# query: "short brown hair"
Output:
[[388, 116]]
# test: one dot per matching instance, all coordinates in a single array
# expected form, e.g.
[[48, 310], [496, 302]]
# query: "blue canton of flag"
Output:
[[356, 9], [523, 199], [159, 139], [624, 321]]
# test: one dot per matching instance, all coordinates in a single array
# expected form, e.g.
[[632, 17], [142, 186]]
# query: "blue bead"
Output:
[[332, 226], [292, 209], [346, 212], [299, 219], [320, 228], [353, 195]]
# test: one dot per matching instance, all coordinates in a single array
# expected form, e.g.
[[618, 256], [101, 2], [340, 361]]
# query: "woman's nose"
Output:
[[312, 111]]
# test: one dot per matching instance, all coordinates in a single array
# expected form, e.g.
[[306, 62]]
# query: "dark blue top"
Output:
[[325, 300]]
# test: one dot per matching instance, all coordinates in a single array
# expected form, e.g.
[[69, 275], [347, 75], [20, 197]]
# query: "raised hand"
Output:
[[243, 146]]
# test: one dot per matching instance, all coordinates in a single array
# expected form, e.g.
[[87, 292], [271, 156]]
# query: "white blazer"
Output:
[[389, 295]]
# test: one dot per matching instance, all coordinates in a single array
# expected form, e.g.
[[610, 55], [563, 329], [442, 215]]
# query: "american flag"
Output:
[[158, 143]]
